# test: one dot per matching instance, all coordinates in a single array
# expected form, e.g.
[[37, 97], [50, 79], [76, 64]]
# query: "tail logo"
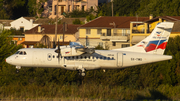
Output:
[[158, 33], [157, 44]]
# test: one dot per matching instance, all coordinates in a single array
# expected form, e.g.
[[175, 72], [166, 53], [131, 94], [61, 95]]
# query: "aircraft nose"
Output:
[[8, 60]]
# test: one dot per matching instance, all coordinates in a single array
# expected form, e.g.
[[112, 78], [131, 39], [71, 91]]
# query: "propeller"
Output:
[[54, 45], [58, 51]]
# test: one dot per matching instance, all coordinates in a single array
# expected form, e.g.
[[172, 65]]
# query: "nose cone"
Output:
[[9, 60]]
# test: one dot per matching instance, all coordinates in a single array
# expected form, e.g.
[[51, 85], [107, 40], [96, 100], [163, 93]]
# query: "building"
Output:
[[109, 32], [45, 34], [70, 5], [4, 23], [18, 39], [23, 23], [140, 30]]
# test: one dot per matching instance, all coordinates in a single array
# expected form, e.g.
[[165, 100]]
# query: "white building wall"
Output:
[[22, 22]]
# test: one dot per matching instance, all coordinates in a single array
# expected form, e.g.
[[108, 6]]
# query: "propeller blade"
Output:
[[59, 52], [54, 45]]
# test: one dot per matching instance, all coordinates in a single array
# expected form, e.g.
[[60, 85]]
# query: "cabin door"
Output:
[[119, 59]]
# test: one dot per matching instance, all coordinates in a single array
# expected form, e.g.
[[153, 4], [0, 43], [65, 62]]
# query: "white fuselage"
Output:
[[101, 59]]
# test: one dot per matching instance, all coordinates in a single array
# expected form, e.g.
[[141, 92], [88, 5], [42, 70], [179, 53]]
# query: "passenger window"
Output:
[[109, 58], [104, 58], [24, 53], [100, 57], [77, 57]]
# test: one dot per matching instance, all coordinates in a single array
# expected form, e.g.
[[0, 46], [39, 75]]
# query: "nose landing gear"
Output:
[[17, 69]]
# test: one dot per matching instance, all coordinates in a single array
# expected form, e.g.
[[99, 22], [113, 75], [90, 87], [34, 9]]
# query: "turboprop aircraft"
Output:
[[77, 57]]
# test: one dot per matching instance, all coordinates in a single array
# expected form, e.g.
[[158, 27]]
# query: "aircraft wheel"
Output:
[[83, 74], [17, 70]]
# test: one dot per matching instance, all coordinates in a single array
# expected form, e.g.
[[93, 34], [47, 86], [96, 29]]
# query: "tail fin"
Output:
[[156, 42]]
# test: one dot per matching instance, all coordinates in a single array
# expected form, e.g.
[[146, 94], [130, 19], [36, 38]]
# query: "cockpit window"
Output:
[[17, 52], [21, 52]]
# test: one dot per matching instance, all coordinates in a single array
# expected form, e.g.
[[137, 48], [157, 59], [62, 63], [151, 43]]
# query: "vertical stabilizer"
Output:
[[156, 42]]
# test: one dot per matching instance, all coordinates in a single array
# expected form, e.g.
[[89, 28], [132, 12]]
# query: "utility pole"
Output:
[[63, 32], [112, 7], [56, 23]]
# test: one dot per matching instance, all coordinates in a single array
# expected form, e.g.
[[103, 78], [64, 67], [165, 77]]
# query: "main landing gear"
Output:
[[81, 71], [17, 69]]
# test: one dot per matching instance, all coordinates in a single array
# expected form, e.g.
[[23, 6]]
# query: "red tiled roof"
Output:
[[35, 42], [168, 18], [120, 22], [50, 29], [176, 27]]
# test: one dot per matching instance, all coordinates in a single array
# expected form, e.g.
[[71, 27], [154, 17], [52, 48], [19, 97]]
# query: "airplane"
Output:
[[77, 57]]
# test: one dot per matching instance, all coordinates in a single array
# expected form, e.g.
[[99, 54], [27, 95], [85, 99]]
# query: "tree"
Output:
[[35, 7], [77, 21], [6, 46], [78, 13], [13, 8]]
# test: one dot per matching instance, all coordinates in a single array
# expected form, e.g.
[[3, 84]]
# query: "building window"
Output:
[[88, 31], [128, 31], [50, 8], [22, 29], [55, 9], [69, 7], [19, 39], [123, 32], [76, 7], [101, 44], [92, 7], [108, 32], [125, 45], [99, 31], [82, 8], [113, 43], [61, 37], [60, 0], [62, 10]]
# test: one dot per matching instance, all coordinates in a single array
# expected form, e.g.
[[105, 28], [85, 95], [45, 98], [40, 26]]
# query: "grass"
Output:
[[88, 92]]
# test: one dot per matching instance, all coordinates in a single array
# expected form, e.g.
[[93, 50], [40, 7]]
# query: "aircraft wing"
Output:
[[81, 49], [86, 50]]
